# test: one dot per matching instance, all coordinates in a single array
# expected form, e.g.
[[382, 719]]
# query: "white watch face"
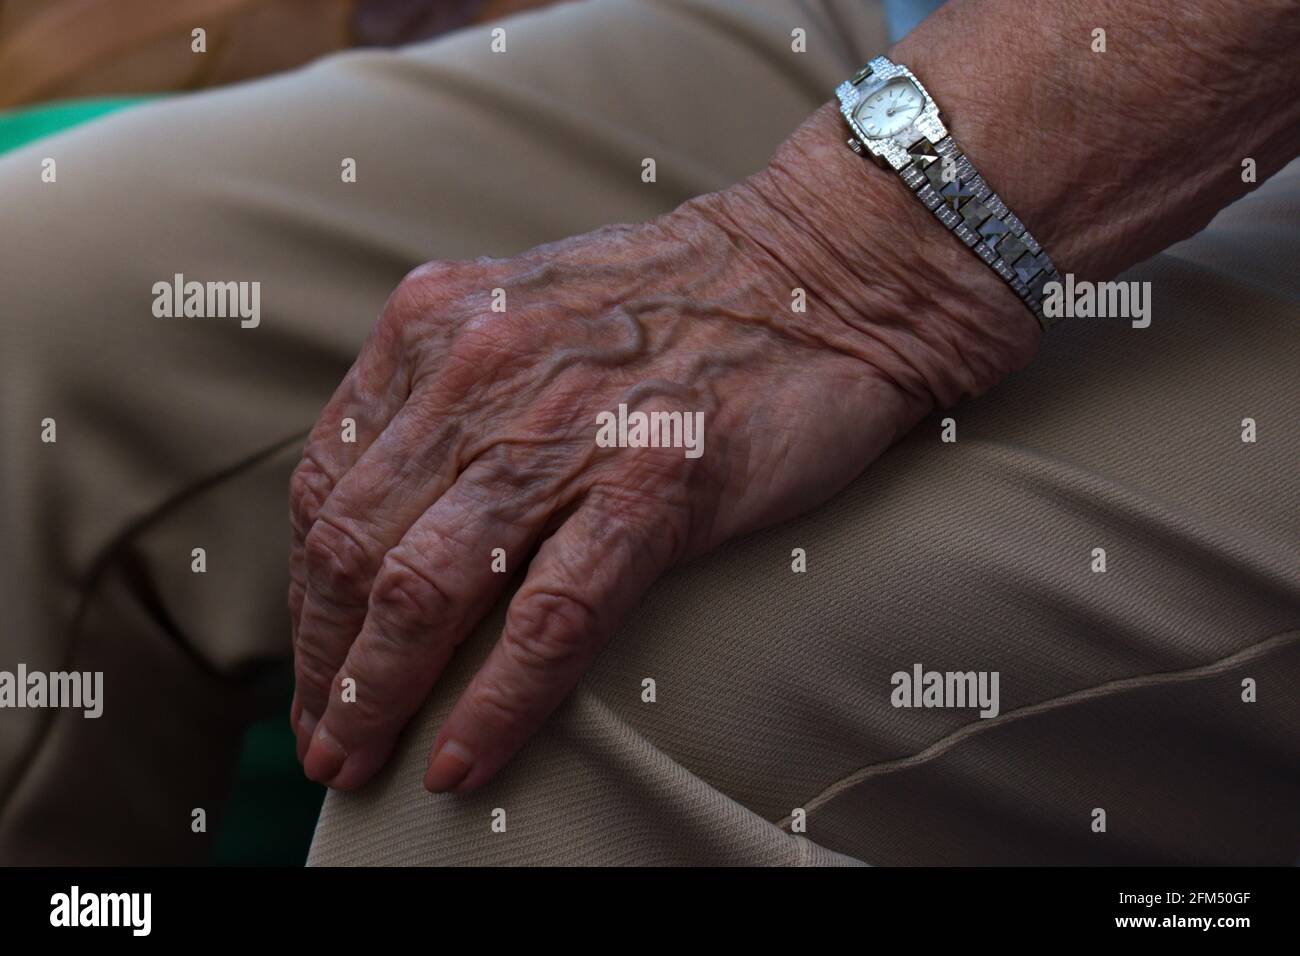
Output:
[[891, 109]]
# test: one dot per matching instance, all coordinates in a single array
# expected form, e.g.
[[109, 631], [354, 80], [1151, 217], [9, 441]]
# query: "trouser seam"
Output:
[[1105, 689]]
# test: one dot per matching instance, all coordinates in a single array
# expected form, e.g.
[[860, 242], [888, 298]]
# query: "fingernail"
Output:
[[307, 723], [324, 757], [448, 769]]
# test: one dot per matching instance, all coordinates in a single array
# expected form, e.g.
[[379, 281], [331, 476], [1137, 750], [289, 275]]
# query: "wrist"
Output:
[[1089, 149], [883, 283]]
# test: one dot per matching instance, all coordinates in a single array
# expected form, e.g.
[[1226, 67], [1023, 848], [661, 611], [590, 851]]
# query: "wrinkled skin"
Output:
[[475, 430]]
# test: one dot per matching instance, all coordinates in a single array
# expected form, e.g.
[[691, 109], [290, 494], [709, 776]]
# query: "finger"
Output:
[[366, 515], [431, 591], [408, 467], [297, 587], [370, 394], [579, 587]]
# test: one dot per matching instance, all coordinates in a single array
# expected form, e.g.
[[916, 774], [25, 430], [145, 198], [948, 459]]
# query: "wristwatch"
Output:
[[894, 121]]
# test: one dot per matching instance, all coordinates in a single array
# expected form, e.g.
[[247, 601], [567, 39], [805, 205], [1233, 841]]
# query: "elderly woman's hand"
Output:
[[489, 407]]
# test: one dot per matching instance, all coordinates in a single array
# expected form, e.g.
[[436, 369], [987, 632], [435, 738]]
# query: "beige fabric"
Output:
[[1119, 690], [60, 49]]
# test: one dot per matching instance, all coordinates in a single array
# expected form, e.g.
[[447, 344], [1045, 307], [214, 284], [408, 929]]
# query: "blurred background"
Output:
[[65, 49]]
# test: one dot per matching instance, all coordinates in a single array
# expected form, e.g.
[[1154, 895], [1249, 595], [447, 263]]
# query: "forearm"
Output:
[[1107, 157], [1116, 155]]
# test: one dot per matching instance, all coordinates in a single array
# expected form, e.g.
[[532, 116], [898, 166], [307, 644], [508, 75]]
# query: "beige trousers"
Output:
[[772, 737]]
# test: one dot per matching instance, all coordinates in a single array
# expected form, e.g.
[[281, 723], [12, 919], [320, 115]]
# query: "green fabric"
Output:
[[31, 123], [272, 809]]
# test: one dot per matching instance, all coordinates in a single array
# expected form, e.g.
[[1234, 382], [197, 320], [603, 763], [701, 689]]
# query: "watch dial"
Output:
[[891, 109]]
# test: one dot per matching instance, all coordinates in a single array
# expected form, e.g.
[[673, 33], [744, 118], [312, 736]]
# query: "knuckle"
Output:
[[484, 342], [433, 272], [652, 474], [407, 598], [509, 346], [337, 563], [513, 479], [549, 629], [421, 294], [625, 508], [295, 600], [414, 292], [309, 487], [627, 518], [368, 708], [314, 672], [498, 705]]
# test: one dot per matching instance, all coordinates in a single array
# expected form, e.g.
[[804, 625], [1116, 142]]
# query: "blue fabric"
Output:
[[903, 15]]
